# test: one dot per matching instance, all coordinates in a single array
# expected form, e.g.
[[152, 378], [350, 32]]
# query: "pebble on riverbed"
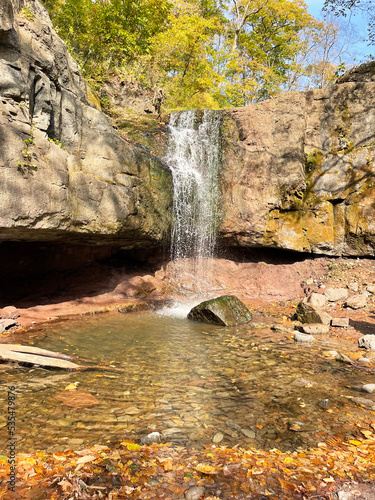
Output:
[[153, 437], [303, 338]]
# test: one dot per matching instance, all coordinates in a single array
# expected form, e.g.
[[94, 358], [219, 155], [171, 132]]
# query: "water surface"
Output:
[[188, 381]]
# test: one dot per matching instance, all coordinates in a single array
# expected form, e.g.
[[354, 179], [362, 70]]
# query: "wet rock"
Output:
[[314, 329], [248, 433], [302, 382], [306, 313], [258, 325], [357, 301], [218, 437], [330, 354], [195, 493], [281, 328], [367, 403], [153, 437], [303, 338], [344, 359], [296, 426], [340, 322], [325, 404], [226, 310], [336, 294], [317, 300], [77, 399], [370, 388], [172, 430], [368, 342], [363, 361]]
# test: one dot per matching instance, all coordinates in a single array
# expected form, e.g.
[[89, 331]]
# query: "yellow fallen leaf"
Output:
[[355, 442], [206, 469], [328, 479], [72, 386], [133, 446]]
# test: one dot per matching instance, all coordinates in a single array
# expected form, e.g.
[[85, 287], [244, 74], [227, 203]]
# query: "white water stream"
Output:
[[194, 157]]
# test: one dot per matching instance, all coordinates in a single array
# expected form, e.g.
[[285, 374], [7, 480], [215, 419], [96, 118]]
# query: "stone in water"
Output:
[[226, 310]]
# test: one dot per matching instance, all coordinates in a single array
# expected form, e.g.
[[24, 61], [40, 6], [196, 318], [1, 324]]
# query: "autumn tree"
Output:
[[347, 8], [326, 52], [263, 37]]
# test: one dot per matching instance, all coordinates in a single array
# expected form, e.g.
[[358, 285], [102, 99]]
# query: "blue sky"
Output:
[[361, 49]]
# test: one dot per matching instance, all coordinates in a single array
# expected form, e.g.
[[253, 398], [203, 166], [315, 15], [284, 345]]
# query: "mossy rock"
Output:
[[306, 313], [226, 310]]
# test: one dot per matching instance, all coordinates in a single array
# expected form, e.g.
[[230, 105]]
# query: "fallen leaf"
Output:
[[205, 469]]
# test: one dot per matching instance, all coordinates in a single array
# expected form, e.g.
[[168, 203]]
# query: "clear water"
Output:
[[193, 157], [186, 380]]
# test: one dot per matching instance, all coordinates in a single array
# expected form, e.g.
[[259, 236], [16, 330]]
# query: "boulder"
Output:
[[357, 301], [368, 342], [336, 294], [226, 310], [317, 300], [306, 313]]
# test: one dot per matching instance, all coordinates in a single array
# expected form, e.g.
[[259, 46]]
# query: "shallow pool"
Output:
[[191, 382]]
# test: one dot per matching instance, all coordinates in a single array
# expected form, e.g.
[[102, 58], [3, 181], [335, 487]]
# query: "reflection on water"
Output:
[[189, 381]]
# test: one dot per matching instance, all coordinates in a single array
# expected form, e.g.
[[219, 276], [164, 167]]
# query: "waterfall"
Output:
[[193, 158]]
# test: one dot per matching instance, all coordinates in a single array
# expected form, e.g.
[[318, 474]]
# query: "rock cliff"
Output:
[[299, 170], [66, 175]]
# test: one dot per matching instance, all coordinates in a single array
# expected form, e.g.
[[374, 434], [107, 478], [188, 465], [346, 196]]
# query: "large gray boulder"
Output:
[[226, 310], [65, 173]]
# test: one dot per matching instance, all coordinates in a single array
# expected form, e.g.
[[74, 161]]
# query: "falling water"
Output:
[[193, 157]]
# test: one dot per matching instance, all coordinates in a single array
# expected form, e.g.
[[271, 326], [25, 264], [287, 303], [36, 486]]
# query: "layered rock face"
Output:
[[64, 171], [299, 170]]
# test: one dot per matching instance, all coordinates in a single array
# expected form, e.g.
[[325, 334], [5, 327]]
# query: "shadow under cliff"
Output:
[[43, 273]]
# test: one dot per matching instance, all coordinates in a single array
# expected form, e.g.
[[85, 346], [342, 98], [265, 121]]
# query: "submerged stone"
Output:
[[226, 310]]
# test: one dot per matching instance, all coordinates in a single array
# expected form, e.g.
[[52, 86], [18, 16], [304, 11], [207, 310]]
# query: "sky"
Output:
[[360, 49]]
